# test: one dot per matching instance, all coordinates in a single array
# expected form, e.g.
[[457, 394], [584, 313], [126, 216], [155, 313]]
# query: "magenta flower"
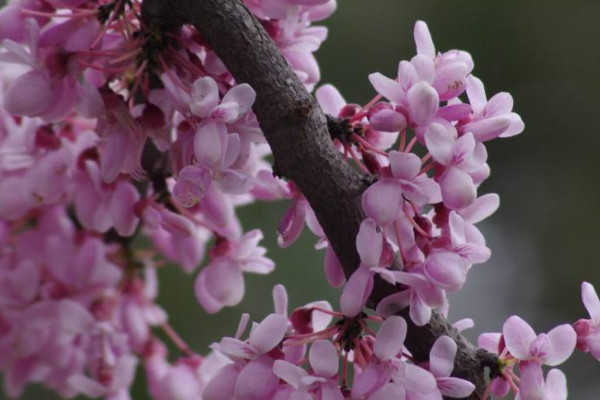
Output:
[[493, 118], [123, 139], [221, 282], [298, 213], [588, 330], [384, 201], [533, 386], [550, 349], [206, 104], [466, 240], [451, 67], [46, 90], [370, 245], [214, 148], [192, 184], [385, 365], [413, 94], [252, 370], [100, 206], [422, 294], [461, 157], [324, 360]]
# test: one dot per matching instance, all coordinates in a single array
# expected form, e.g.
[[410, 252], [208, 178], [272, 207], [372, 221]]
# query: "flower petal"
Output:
[[423, 39], [388, 88], [404, 165], [243, 95], [209, 144], [289, 372], [423, 103], [369, 243], [441, 357], [204, 96], [458, 189], [446, 270], [330, 100], [269, 332], [455, 387], [518, 336], [382, 200], [563, 339], [394, 303], [390, 338], [482, 208], [333, 269], [590, 301], [440, 142], [556, 385], [323, 358], [476, 94], [356, 292]]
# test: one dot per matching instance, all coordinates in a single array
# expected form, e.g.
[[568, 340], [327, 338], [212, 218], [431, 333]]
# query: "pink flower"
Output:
[[370, 245], [221, 282], [446, 270], [217, 151], [466, 240], [252, 371], [422, 296], [47, 90], [123, 139], [384, 201], [412, 93], [205, 101], [100, 206], [493, 118], [324, 360], [385, 365], [44, 338], [191, 186], [115, 386], [296, 38], [533, 387], [461, 157], [588, 330], [551, 349], [298, 213], [451, 67]]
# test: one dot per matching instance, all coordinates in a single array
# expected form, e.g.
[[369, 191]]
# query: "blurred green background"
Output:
[[544, 238]]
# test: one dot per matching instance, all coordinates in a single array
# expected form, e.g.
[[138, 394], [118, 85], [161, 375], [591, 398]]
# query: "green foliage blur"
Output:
[[545, 237]]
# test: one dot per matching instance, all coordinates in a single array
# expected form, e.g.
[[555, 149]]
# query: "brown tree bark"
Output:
[[296, 129]]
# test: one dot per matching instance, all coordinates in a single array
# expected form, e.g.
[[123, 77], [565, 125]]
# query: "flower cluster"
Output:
[[65, 320], [424, 204], [272, 363], [111, 131]]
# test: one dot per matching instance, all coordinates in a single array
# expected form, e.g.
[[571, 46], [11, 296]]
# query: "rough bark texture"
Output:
[[296, 129]]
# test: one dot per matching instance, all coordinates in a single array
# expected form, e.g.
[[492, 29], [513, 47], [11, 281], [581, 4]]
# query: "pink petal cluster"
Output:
[[84, 106], [109, 134], [273, 363], [518, 345], [422, 208], [66, 322], [221, 282]]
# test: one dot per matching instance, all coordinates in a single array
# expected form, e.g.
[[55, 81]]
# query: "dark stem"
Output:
[[297, 131]]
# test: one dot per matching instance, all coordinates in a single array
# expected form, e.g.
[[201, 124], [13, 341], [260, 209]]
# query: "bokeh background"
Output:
[[545, 237]]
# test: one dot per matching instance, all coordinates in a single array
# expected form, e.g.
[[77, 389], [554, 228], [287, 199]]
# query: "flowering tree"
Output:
[[124, 119]]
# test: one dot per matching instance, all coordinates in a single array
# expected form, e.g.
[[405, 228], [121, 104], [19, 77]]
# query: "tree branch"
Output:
[[296, 129]]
